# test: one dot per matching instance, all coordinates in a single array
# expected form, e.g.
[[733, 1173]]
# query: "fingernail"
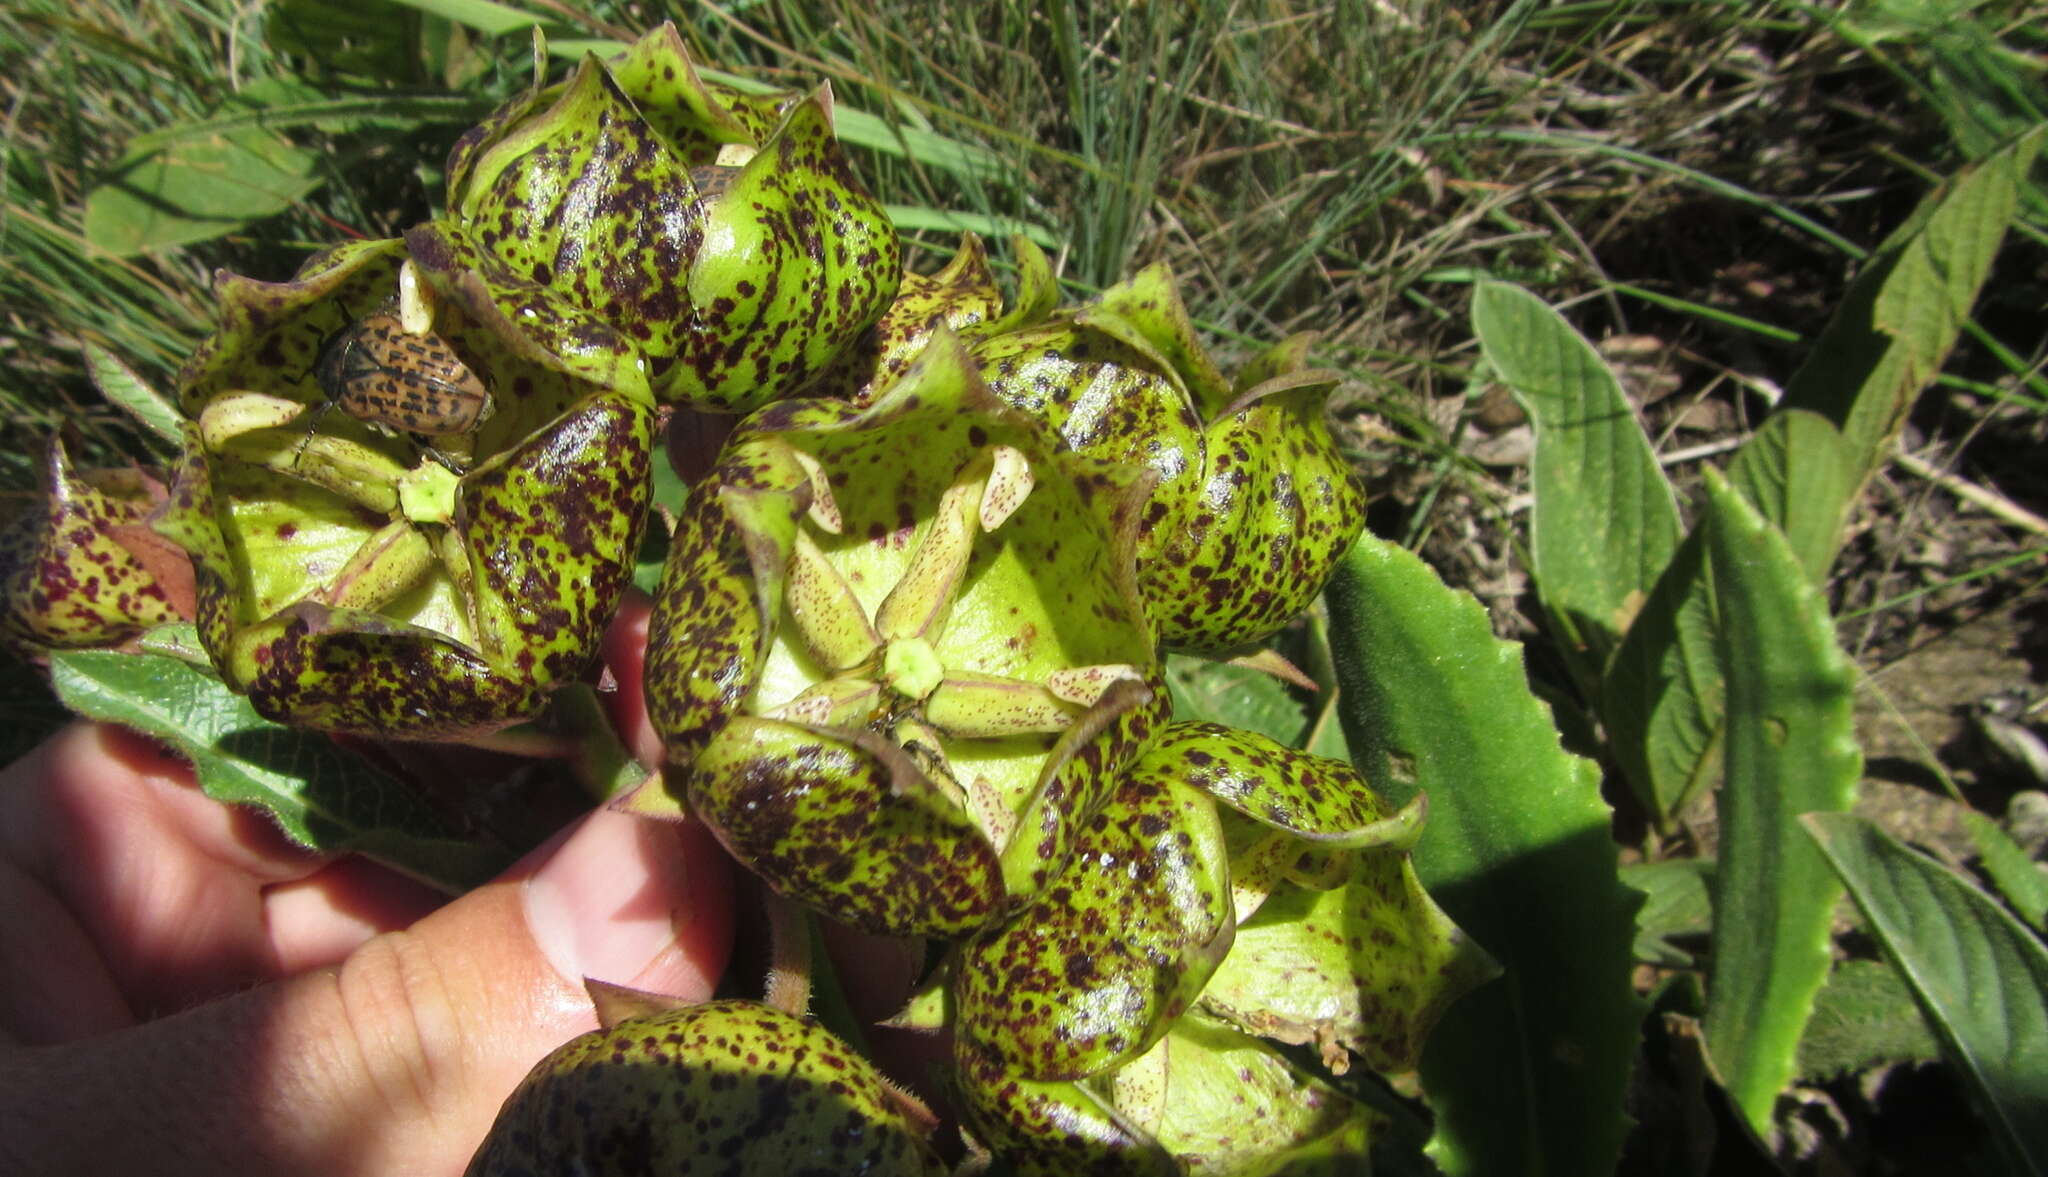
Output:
[[605, 904]]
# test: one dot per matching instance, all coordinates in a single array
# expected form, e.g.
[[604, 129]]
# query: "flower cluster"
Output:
[[907, 654], [906, 660]]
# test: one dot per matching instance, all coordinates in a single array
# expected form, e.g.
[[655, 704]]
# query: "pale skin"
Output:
[[183, 991]]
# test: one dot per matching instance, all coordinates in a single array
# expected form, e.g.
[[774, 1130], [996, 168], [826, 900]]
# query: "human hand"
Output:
[[183, 991]]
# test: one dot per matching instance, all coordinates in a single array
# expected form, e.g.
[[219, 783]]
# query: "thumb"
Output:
[[397, 1060]]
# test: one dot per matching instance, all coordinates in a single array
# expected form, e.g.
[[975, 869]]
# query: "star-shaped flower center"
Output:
[[891, 669]]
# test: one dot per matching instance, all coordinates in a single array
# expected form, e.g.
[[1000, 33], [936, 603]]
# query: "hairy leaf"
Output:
[[196, 187], [1790, 750], [1981, 979], [1885, 342], [1662, 696], [2022, 881], [120, 384], [1239, 696], [1525, 1074], [1604, 523], [1675, 904], [1863, 1017], [318, 795]]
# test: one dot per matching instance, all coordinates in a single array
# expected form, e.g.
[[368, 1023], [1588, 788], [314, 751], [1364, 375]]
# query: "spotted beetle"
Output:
[[379, 373]]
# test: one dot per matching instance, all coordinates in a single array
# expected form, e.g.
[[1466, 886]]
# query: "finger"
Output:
[[317, 921], [398, 1060], [625, 655], [162, 887]]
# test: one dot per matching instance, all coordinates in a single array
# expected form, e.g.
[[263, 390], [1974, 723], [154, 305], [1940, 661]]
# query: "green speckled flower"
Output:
[[1252, 505], [638, 216], [1229, 889], [82, 568], [895, 646], [721, 1087], [361, 579]]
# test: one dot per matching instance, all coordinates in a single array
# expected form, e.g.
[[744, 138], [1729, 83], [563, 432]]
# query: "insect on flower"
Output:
[[379, 373], [400, 381]]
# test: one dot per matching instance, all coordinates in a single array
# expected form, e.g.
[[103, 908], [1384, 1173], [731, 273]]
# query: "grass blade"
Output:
[[917, 218], [1981, 979], [1789, 750], [1525, 1074]]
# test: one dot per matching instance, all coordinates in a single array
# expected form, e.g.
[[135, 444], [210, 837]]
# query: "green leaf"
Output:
[[369, 38], [2022, 881], [492, 20], [1981, 979], [319, 796], [1864, 1017], [1525, 1074], [1804, 475], [1675, 904], [1236, 696], [1884, 344], [912, 218], [1790, 750], [119, 384], [1661, 699], [1604, 523], [311, 108], [196, 189]]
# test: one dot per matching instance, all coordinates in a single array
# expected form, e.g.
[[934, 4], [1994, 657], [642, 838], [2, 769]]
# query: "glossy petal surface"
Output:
[[1090, 972], [1275, 506], [721, 1087], [1252, 503], [850, 825], [637, 219], [1052, 1129]]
